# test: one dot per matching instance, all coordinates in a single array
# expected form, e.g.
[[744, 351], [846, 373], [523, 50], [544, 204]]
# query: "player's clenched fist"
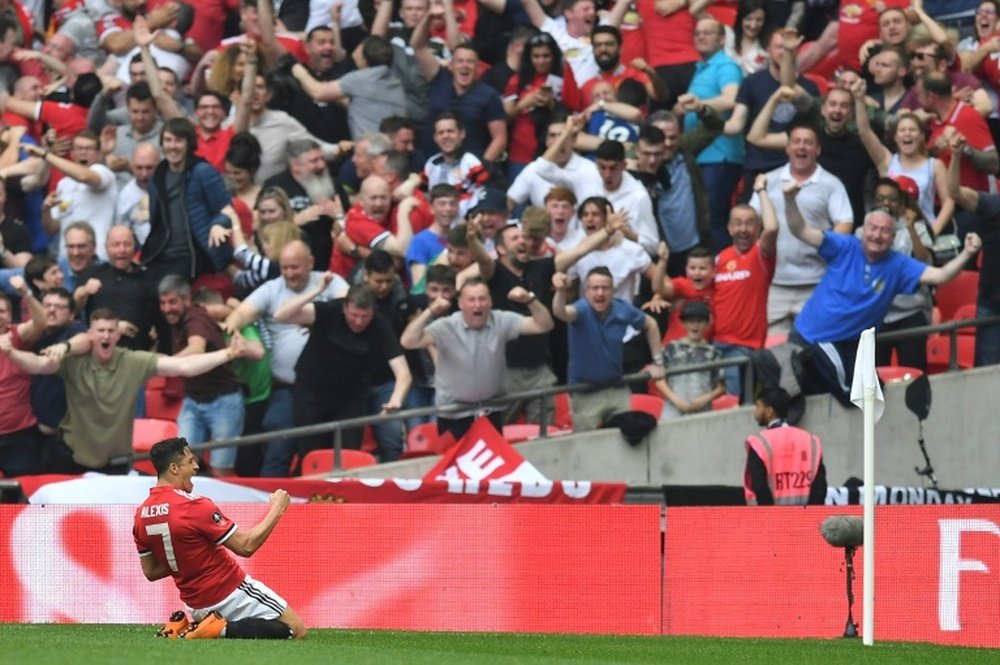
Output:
[[280, 499]]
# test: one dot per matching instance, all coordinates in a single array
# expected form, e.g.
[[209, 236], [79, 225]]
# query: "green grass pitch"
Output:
[[135, 645]]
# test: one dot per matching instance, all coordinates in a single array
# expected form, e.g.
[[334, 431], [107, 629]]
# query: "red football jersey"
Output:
[[740, 305], [685, 291], [185, 532]]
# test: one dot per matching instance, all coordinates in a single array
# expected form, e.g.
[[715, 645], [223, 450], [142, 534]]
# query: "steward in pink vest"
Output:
[[784, 463]]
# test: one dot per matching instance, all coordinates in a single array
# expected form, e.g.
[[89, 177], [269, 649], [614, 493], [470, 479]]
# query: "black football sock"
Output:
[[258, 629]]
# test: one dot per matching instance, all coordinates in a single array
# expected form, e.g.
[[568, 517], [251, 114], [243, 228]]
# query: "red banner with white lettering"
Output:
[[99, 489], [483, 454]]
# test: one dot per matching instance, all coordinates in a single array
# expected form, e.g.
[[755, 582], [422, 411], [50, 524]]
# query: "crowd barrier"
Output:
[[750, 572]]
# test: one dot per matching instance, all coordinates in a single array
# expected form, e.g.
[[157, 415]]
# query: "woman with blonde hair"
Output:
[[261, 266], [272, 206]]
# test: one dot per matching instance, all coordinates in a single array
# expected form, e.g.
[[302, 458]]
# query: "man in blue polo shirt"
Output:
[[716, 81], [862, 277], [598, 326]]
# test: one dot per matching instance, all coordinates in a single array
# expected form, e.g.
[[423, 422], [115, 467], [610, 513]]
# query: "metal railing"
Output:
[[545, 394]]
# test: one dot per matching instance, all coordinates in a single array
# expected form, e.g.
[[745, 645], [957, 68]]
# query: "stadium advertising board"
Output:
[[763, 572]]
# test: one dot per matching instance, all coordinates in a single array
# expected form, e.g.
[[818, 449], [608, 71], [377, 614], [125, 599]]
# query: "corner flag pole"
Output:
[[867, 394]]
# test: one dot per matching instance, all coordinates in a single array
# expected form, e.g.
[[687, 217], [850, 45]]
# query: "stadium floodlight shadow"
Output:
[[918, 401]]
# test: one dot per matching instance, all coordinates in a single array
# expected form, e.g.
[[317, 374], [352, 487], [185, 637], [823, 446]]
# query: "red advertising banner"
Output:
[[763, 572], [99, 489], [768, 572], [589, 569]]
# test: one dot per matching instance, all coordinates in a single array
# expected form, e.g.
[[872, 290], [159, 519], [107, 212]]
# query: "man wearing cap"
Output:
[[491, 215], [691, 392], [862, 277]]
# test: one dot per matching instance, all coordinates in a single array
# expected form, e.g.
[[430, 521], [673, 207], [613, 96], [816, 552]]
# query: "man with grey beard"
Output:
[[316, 199]]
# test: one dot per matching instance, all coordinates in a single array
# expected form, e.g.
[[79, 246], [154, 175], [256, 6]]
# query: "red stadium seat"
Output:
[[518, 433], [897, 373], [164, 397], [962, 290], [938, 352], [421, 441], [321, 461], [368, 442], [146, 432], [563, 418], [822, 84], [775, 340], [651, 404], [966, 311], [723, 402]]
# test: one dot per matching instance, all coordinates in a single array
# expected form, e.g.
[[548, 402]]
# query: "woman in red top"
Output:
[[529, 99]]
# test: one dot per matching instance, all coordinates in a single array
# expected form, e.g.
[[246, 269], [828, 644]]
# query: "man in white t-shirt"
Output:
[[88, 193], [824, 205], [627, 195], [558, 167], [571, 32]]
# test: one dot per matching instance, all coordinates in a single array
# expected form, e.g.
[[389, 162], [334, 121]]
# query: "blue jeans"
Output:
[[987, 337], [222, 418], [21, 452], [734, 382], [720, 181], [279, 452], [417, 398], [389, 435]]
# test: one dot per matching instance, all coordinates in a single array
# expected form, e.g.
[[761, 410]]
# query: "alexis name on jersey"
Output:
[[155, 510]]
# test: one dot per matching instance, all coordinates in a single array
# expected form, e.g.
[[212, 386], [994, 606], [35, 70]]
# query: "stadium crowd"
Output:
[[323, 209]]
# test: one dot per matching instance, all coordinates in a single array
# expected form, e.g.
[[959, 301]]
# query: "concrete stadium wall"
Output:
[[707, 449]]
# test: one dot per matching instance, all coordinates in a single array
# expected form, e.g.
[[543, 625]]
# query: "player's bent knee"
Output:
[[292, 620]]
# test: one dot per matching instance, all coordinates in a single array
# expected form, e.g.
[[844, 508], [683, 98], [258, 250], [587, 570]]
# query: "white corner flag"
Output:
[[865, 377], [866, 394]]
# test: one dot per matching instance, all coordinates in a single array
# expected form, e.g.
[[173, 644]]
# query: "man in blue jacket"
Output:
[[188, 229]]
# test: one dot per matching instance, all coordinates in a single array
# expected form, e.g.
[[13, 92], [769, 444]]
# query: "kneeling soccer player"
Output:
[[183, 535]]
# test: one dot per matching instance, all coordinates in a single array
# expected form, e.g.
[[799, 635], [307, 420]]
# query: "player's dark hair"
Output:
[[166, 452]]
